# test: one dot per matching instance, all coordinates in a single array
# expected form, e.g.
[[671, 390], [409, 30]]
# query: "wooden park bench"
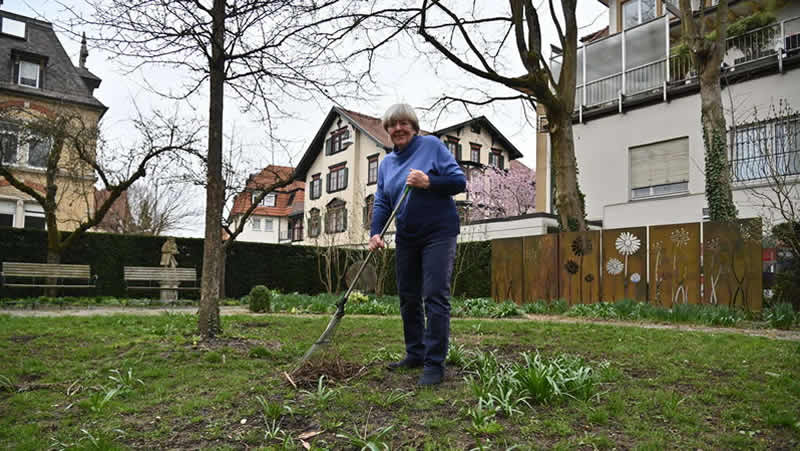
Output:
[[152, 277], [46, 275]]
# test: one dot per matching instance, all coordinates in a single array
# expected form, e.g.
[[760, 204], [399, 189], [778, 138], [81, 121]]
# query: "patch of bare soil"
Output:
[[242, 345], [22, 339], [335, 369]]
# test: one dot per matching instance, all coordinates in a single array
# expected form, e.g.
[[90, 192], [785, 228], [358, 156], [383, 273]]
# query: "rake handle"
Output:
[[343, 300]]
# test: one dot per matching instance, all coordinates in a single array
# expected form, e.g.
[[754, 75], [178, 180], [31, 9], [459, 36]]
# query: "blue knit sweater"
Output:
[[427, 213]]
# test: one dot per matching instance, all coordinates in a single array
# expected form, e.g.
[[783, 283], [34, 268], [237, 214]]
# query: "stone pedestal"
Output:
[[168, 295]]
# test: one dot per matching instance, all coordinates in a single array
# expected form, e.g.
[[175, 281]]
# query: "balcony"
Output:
[[639, 60]]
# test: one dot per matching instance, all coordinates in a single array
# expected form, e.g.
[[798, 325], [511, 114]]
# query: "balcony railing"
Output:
[[639, 59]]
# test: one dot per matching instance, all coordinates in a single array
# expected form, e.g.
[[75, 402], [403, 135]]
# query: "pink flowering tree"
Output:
[[497, 193]]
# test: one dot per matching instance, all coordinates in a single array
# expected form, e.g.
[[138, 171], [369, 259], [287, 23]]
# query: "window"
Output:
[[337, 179], [336, 217], [475, 152], [339, 140], [255, 224], [496, 159], [372, 170], [38, 151], [660, 168], [369, 203], [34, 217], [454, 147], [33, 151], [296, 228], [635, 12], [13, 27], [766, 149], [267, 225], [316, 186], [8, 144], [313, 223], [8, 210], [28, 74]]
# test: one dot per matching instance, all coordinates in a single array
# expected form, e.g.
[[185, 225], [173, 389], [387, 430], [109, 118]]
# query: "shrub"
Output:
[[357, 297], [260, 299]]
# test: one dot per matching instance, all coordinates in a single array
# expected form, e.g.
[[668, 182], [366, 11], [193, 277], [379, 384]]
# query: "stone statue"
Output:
[[168, 252]]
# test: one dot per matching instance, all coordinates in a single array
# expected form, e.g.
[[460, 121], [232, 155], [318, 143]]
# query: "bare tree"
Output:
[[705, 38], [158, 207], [265, 51], [458, 38], [75, 155]]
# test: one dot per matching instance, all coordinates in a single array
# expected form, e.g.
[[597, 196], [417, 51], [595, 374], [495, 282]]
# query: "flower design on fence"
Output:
[[578, 247], [680, 237], [614, 266], [627, 244], [713, 244], [589, 278], [636, 277], [571, 267]]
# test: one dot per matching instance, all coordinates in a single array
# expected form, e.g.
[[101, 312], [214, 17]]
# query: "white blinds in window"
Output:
[[660, 163], [8, 207]]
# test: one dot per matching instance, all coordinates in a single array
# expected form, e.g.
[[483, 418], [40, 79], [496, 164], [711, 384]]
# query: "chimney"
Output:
[[84, 51]]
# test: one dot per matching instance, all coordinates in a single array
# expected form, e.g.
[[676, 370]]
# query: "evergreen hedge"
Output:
[[278, 266]]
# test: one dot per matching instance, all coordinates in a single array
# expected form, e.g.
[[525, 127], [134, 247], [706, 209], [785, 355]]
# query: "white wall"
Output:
[[261, 236], [602, 149]]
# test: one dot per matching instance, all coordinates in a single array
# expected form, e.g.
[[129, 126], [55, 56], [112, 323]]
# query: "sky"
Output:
[[402, 75]]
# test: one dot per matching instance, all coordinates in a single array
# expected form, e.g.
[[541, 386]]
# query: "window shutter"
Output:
[[458, 153], [660, 164], [328, 146], [500, 161], [343, 212], [345, 179], [328, 182]]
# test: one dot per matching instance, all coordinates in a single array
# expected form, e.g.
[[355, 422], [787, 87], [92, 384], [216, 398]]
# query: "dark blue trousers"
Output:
[[423, 276]]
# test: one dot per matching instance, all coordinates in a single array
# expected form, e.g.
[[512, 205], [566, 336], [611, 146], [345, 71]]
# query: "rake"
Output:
[[327, 335]]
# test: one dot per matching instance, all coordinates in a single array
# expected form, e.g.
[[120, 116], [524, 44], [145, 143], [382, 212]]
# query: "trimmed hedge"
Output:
[[287, 268]]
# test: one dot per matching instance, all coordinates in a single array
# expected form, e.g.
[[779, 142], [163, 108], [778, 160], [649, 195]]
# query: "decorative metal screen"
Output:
[[732, 273], [624, 264]]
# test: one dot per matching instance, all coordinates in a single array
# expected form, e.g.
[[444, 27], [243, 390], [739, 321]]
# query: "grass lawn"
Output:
[[146, 382]]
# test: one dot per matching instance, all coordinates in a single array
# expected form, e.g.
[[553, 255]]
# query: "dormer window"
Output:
[[29, 74]]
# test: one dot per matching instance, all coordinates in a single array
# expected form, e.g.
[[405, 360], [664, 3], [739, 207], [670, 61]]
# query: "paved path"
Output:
[[789, 335]]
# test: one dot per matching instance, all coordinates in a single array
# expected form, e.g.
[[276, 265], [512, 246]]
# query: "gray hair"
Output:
[[400, 112]]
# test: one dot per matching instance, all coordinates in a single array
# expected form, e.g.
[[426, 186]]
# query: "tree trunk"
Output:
[[569, 201], [53, 257], [718, 174], [209, 323]]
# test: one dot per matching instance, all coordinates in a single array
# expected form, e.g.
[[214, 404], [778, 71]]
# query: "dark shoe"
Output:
[[430, 377], [406, 363]]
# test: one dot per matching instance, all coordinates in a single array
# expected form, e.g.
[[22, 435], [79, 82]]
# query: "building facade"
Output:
[[40, 81], [638, 135], [279, 216]]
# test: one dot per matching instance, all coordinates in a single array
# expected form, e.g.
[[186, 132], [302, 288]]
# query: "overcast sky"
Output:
[[403, 76]]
